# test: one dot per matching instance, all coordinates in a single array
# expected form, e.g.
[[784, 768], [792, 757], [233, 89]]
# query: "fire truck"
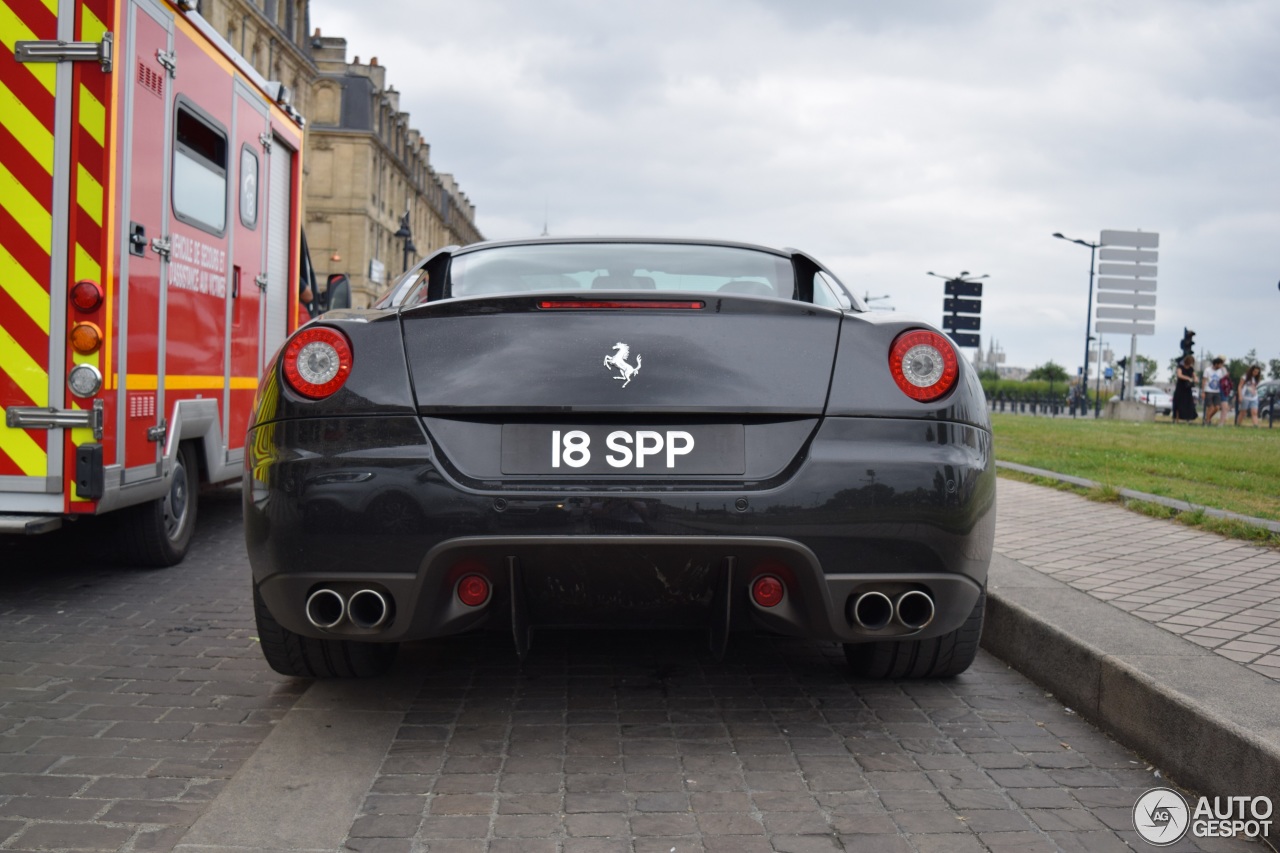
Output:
[[150, 254]]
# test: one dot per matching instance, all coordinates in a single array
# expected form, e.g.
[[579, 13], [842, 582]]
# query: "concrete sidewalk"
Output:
[[1167, 637]]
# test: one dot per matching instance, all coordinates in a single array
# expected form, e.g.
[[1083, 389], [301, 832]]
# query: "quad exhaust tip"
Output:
[[914, 609], [368, 608], [873, 610], [326, 609]]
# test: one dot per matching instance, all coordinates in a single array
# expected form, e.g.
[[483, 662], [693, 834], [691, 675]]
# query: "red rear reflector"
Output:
[[767, 591], [473, 590], [86, 296], [557, 305]]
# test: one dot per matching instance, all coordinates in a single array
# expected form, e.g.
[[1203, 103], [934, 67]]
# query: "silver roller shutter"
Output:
[[279, 227]]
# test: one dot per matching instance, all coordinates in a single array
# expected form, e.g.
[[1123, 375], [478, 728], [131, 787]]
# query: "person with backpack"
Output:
[[1211, 390]]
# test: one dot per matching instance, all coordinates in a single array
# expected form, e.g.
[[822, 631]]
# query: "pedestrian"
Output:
[[1211, 390], [1248, 394], [1184, 405]]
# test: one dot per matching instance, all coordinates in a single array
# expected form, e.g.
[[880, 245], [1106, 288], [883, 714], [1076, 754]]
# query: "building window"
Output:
[[199, 170]]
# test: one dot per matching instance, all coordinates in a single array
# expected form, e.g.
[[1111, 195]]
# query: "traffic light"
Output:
[[1188, 342], [1123, 363]]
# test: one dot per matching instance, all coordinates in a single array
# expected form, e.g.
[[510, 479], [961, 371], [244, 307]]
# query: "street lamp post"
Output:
[[1097, 385], [405, 234], [1088, 321]]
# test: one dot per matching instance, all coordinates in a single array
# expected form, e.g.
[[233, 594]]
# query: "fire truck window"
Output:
[[248, 187], [200, 172]]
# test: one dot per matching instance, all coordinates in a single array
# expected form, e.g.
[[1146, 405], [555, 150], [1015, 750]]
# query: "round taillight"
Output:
[[85, 337], [86, 296], [473, 590], [767, 591], [924, 364], [317, 361], [84, 380]]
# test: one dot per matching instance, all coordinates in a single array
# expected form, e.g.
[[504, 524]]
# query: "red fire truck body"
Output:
[[150, 248]]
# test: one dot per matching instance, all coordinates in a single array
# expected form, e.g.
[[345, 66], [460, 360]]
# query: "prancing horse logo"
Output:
[[618, 361]]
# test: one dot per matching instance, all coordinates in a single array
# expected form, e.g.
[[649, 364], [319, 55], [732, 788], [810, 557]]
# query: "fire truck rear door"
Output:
[[144, 177], [35, 155], [280, 230], [249, 268]]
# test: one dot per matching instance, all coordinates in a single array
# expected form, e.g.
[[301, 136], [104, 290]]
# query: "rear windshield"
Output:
[[621, 266]]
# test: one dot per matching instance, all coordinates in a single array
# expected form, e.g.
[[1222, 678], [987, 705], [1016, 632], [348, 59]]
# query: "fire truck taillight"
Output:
[[84, 380], [86, 296], [317, 361], [86, 337]]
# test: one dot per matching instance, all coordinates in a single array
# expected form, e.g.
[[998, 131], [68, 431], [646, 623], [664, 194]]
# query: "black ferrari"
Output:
[[631, 433]]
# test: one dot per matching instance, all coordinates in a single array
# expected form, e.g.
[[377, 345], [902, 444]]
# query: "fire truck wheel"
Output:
[[305, 657], [156, 534]]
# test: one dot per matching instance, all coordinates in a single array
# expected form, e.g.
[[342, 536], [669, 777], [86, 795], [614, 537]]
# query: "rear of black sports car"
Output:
[[619, 433]]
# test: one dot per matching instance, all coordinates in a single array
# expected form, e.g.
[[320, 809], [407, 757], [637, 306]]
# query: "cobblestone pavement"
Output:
[[1219, 593], [129, 699]]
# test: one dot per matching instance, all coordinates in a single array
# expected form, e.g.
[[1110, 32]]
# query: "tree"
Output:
[[1049, 371], [1148, 368], [1236, 367], [1275, 368]]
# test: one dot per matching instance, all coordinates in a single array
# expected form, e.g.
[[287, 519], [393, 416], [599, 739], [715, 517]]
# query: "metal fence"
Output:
[[1048, 405]]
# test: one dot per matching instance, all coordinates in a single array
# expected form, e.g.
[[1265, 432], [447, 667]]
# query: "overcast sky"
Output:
[[888, 139]]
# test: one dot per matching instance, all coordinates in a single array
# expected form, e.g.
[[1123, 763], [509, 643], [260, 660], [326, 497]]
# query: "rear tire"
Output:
[[939, 657], [306, 657], [156, 534]]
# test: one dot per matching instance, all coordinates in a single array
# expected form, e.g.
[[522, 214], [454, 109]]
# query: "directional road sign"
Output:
[[960, 287], [962, 306], [1134, 239], [956, 322], [1117, 327]]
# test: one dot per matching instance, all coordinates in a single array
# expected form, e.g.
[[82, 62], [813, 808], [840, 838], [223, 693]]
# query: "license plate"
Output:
[[639, 450]]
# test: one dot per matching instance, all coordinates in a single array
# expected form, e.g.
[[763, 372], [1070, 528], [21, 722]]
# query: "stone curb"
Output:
[[1181, 506], [1210, 724]]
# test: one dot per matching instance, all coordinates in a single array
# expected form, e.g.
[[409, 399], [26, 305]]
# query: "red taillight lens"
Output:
[[767, 591], [317, 361], [473, 590], [86, 296], [924, 364]]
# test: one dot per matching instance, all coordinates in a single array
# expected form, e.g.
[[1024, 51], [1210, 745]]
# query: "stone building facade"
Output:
[[272, 35], [364, 166], [368, 169]]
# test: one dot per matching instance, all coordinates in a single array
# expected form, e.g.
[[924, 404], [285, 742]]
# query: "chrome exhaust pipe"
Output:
[[368, 608], [872, 610], [326, 609], [914, 609]]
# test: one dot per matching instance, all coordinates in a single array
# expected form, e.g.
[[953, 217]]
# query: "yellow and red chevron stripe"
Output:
[[26, 228], [88, 151], [89, 236]]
